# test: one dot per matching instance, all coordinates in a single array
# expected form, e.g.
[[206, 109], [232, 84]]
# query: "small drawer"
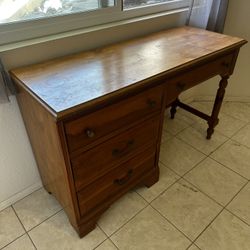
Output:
[[197, 75], [91, 127], [117, 180], [99, 160]]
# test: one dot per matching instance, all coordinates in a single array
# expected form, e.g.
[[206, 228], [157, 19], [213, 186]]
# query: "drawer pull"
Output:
[[226, 64], [119, 152], [90, 133], [180, 86], [124, 180], [151, 103]]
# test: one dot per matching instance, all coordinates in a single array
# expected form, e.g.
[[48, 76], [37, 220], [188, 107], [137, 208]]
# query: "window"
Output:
[[26, 19]]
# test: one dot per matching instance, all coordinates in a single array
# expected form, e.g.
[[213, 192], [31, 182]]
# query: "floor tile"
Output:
[[193, 247], [179, 156], [234, 156], [167, 178], [57, 233], [228, 125], [22, 243], [218, 182], [179, 115], [107, 245], [197, 138], [165, 136], [243, 136], [149, 230], [121, 211], [10, 227], [237, 110], [35, 208], [203, 106], [174, 126], [226, 233], [240, 205], [187, 208]]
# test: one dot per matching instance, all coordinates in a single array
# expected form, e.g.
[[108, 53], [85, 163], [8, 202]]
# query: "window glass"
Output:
[[128, 4], [20, 10]]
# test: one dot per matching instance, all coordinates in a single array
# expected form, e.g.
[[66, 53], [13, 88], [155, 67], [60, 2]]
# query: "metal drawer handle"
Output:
[[90, 133], [119, 152], [180, 86], [151, 103], [125, 179]]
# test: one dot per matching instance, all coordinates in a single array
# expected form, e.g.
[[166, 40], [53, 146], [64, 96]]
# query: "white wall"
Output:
[[237, 24], [18, 171]]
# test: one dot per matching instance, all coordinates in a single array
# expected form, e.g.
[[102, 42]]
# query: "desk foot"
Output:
[[152, 178], [210, 131], [173, 108]]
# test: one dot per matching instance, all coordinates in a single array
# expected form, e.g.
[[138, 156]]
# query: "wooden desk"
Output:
[[95, 119]]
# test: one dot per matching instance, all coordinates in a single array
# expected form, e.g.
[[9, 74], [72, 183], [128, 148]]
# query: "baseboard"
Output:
[[209, 98], [20, 195]]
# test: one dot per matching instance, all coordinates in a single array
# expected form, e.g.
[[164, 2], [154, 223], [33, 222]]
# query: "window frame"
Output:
[[35, 28]]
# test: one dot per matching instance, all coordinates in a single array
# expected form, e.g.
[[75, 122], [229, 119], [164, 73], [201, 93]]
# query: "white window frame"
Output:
[[35, 28]]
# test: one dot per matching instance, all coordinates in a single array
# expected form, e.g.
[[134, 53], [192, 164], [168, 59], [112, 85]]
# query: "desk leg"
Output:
[[213, 120], [173, 108]]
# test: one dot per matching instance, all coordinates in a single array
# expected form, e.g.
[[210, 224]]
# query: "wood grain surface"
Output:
[[71, 82]]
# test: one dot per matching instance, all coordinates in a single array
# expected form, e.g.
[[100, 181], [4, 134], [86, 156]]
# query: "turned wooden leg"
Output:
[[173, 108], [213, 121]]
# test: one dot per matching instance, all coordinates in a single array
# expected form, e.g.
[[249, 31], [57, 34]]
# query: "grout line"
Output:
[[44, 220], [224, 208], [114, 244], [237, 216], [230, 169], [32, 241], [221, 205], [19, 219], [248, 147], [165, 218], [205, 139], [129, 220], [12, 241], [28, 195]]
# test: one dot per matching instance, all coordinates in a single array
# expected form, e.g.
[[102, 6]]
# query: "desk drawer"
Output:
[[197, 75], [89, 128], [117, 180], [102, 158]]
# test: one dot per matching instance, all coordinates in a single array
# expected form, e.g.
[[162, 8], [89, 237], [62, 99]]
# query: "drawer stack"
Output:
[[114, 148]]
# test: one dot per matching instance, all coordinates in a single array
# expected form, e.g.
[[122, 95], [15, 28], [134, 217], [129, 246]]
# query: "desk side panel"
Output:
[[43, 134]]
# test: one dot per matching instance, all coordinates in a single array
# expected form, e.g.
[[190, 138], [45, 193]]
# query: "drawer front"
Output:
[[197, 75], [102, 158], [120, 178], [89, 128]]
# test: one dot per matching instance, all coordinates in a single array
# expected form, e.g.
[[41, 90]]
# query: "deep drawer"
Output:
[[197, 75], [91, 127], [115, 181], [91, 164]]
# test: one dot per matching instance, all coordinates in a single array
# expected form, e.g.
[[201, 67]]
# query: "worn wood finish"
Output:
[[95, 119], [116, 180], [45, 141], [97, 161], [89, 128], [70, 84]]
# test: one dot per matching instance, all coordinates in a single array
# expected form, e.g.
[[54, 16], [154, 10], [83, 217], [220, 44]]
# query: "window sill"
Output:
[[44, 39]]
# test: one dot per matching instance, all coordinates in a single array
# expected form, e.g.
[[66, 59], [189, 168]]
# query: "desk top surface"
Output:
[[69, 82]]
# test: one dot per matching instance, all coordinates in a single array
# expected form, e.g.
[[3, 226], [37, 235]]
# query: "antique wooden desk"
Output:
[[95, 119]]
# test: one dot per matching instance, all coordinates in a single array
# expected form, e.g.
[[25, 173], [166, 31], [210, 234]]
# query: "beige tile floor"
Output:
[[202, 200]]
